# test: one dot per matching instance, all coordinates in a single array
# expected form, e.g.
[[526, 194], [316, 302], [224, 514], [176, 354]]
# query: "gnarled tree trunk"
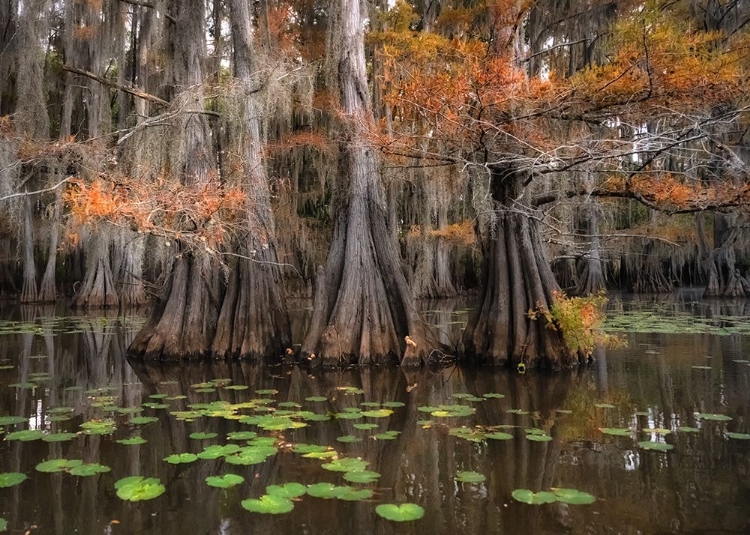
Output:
[[253, 321], [48, 287], [591, 279], [363, 309], [516, 279], [98, 286], [129, 271], [29, 290]]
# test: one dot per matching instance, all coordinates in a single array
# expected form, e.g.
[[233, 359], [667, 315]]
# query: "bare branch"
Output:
[[37, 192], [130, 90]]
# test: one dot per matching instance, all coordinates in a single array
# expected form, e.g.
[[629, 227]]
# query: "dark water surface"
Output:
[[660, 381]]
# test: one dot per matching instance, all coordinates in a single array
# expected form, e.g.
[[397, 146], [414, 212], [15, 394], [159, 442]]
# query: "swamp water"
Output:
[[652, 438]]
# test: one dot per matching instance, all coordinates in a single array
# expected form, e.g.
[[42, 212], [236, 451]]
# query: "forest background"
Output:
[[221, 155]]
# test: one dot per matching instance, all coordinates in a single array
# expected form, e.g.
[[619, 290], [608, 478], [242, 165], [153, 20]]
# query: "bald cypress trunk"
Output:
[[48, 287], [98, 287], [31, 116], [591, 279], [363, 310], [516, 279], [253, 321], [29, 290], [183, 323]]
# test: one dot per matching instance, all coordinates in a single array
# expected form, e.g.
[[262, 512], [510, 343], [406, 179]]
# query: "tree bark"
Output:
[[31, 116], [591, 279], [129, 270], [363, 309], [98, 286], [29, 290], [516, 280], [48, 288]]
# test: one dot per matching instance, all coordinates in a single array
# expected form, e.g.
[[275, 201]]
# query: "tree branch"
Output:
[[130, 90], [37, 192], [149, 5]]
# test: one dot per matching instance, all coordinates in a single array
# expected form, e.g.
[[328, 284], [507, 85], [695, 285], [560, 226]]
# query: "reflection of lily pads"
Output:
[[57, 465], [268, 504], [349, 464], [86, 470], [25, 436], [288, 490], [655, 446], [616, 431], [714, 417], [739, 436], [138, 488], [132, 441], [181, 458], [533, 498], [470, 477], [406, 512], [11, 479]]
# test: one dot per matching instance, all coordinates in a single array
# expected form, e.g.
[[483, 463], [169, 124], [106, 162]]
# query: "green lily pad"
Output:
[[3, 525], [268, 504], [308, 448], [616, 431], [688, 429], [236, 387], [181, 458], [655, 446], [573, 496], [86, 470], [203, 436], [388, 435], [714, 417], [98, 427], [347, 464], [393, 404], [701, 367], [532, 498], [316, 399], [470, 477], [538, 438], [132, 441], [738, 436], [23, 386], [350, 494], [348, 415], [406, 512], [11, 479], [10, 420], [658, 430], [520, 412], [267, 392], [25, 436], [493, 395], [157, 396], [288, 490], [138, 488], [60, 410], [604, 405], [216, 451], [364, 476], [155, 405], [225, 481], [377, 413], [348, 439], [59, 437], [322, 490], [57, 465], [241, 435], [365, 426], [207, 390], [498, 435], [328, 454]]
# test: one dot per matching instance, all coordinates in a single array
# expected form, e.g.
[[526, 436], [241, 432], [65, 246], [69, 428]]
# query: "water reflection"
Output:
[[701, 486]]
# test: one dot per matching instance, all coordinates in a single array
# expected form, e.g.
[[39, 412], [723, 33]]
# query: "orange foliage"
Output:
[[203, 213]]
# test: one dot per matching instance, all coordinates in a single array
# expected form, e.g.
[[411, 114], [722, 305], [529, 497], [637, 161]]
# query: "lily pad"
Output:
[[470, 477], [573, 496], [364, 476], [308, 448], [498, 435], [138, 488], [350, 494], [3, 525], [365, 426], [86, 470], [388, 435], [11, 479], [493, 395], [688, 429], [59, 437], [738, 436], [225, 481], [268, 504], [25, 436], [203, 436], [132, 441], [533, 498], [655, 446], [348, 464], [714, 417], [98, 427], [316, 399], [288, 490], [616, 431], [377, 413], [393, 404], [657, 430], [57, 465], [406, 512], [348, 439], [267, 392], [701, 367], [10, 420], [538, 438], [241, 435], [181, 458], [216, 451], [604, 405]]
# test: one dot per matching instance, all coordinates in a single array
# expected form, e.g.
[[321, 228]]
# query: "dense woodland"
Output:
[[214, 157]]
